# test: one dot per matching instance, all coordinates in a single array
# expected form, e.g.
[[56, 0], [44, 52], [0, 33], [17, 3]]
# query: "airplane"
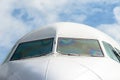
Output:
[[63, 51]]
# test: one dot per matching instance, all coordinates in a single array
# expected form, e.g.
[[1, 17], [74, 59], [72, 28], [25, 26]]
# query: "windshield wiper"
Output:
[[71, 54]]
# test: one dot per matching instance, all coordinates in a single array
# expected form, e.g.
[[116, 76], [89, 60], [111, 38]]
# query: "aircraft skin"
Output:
[[57, 65]]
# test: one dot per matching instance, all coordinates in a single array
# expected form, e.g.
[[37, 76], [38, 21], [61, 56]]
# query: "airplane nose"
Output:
[[88, 75], [66, 69]]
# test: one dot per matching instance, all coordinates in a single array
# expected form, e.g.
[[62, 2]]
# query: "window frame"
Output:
[[15, 48], [114, 51], [83, 39]]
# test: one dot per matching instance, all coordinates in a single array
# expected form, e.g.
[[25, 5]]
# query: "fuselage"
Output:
[[63, 51]]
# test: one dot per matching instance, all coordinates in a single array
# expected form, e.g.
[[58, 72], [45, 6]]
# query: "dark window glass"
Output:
[[110, 51], [81, 47], [33, 49], [118, 54]]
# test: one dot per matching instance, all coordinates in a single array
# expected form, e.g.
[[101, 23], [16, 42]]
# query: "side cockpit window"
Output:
[[117, 53], [33, 49], [112, 53]]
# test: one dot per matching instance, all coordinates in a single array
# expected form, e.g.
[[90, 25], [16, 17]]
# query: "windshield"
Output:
[[33, 49], [81, 47]]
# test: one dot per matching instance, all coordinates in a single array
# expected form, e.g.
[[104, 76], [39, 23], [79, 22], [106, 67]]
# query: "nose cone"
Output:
[[66, 69]]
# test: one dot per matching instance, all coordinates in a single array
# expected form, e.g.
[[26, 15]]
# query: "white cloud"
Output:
[[98, 1], [52, 8], [10, 28], [117, 14], [113, 29], [43, 5]]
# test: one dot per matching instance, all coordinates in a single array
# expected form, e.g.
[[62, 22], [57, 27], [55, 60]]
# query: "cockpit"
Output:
[[67, 40], [79, 47], [32, 49], [58, 51], [64, 46]]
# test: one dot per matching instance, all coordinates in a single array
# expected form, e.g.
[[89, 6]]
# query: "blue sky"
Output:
[[20, 17]]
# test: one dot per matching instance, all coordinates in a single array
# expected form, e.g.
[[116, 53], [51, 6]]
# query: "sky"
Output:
[[18, 17]]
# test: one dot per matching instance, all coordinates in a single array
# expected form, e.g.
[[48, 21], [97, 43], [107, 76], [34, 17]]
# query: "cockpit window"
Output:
[[112, 53], [81, 47], [33, 49]]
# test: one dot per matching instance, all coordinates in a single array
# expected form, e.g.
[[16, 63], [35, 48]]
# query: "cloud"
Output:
[[117, 14], [113, 30], [50, 11], [11, 29]]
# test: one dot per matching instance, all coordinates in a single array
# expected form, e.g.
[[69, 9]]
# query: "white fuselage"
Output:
[[59, 57]]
